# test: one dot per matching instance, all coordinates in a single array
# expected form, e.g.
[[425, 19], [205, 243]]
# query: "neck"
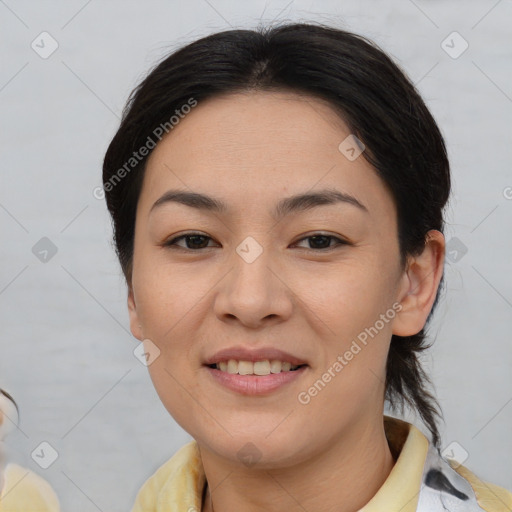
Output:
[[343, 477]]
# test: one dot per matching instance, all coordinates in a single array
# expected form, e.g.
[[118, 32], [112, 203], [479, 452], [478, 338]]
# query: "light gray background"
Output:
[[66, 348]]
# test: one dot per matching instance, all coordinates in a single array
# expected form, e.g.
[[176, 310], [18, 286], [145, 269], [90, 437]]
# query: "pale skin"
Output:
[[250, 151]]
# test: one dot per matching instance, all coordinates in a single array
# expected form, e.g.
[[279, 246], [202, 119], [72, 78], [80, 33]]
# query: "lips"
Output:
[[255, 385], [252, 384], [240, 353]]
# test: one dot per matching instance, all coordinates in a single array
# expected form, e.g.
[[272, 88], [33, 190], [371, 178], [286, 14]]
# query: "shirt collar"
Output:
[[185, 480], [401, 489]]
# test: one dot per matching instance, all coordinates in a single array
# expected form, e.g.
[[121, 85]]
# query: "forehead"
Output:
[[255, 147]]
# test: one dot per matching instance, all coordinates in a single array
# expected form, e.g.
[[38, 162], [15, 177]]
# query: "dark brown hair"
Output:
[[372, 95]]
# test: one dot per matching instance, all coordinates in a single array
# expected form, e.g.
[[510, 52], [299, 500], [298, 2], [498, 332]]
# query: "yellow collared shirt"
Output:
[[177, 486]]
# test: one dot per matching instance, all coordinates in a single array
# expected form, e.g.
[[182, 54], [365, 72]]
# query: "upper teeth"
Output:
[[264, 367]]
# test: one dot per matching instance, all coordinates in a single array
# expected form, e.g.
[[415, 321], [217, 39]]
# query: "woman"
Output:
[[277, 202]]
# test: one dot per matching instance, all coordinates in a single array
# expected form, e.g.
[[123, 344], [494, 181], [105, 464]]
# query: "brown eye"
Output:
[[322, 242], [193, 241], [197, 241]]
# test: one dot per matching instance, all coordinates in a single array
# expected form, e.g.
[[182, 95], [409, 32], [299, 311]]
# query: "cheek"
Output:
[[349, 297], [355, 306], [175, 390], [166, 293]]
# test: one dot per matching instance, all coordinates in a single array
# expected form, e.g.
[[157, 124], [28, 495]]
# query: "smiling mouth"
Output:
[[256, 368]]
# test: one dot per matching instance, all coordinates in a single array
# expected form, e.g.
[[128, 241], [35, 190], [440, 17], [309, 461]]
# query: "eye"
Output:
[[192, 241], [321, 241], [196, 241]]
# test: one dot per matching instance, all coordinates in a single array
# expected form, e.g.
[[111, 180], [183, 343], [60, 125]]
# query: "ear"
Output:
[[419, 285], [135, 325]]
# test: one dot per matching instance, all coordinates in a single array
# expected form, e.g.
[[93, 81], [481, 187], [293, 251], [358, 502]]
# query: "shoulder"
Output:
[[171, 480], [25, 490], [491, 497]]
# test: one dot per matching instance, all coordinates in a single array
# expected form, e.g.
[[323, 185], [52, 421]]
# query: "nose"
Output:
[[254, 292]]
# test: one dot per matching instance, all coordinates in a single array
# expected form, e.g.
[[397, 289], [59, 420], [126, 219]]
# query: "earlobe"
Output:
[[135, 325], [420, 282]]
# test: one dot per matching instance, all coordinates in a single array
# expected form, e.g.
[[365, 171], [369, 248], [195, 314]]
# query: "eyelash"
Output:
[[172, 242]]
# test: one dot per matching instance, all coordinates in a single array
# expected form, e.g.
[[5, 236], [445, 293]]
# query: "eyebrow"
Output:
[[284, 207]]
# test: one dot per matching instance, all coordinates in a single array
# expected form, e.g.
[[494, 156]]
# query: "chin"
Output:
[[257, 451]]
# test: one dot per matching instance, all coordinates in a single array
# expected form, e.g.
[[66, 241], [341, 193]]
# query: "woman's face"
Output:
[[253, 279]]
